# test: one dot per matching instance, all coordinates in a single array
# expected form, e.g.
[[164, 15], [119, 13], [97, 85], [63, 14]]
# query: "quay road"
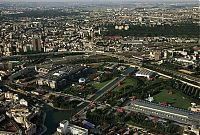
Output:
[[71, 96], [17, 90], [52, 93], [86, 102]]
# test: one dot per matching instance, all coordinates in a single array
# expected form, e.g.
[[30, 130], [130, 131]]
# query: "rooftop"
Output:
[[61, 73], [145, 72], [187, 113]]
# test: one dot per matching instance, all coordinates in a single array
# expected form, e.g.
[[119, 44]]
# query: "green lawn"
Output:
[[101, 84], [176, 99], [126, 82]]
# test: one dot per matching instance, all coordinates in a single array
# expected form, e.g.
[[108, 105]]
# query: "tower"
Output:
[[37, 47]]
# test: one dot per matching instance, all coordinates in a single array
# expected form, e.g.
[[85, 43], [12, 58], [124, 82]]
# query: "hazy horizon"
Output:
[[97, 1]]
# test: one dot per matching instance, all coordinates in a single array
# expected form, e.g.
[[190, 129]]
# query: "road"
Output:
[[71, 96], [86, 103], [167, 76], [115, 82], [100, 93], [108, 87], [119, 79], [176, 75], [120, 57], [39, 55], [17, 90]]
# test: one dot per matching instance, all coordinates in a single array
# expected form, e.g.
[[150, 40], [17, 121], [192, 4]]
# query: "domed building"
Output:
[[81, 81]]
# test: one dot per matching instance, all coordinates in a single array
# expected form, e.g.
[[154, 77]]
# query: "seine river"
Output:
[[54, 117]]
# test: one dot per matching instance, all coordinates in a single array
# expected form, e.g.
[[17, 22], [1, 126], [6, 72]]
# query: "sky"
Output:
[[98, 0]]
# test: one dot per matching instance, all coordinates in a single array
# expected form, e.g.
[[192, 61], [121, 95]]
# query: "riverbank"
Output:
[[57, 108], [44, 128]]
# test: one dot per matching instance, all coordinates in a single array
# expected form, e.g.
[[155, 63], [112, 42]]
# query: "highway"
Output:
[[112, 84], [39, 55], [120, 57]]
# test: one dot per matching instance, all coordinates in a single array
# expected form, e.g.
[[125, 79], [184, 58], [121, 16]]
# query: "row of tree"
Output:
[[62, 102], [81, 91], [43, 13], [177, 30], [108, 116], [187, 89], [154, 126], [140, 90]]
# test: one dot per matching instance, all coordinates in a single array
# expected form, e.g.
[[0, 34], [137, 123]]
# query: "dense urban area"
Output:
[[119, 68]]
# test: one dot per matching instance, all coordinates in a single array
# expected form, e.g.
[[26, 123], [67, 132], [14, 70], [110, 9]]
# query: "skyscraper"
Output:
[[37, 47]]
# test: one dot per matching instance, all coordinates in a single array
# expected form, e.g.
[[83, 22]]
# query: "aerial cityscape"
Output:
[[99, 67]]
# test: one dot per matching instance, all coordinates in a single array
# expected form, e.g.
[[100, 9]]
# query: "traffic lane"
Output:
[[110, 86], [107, 87]]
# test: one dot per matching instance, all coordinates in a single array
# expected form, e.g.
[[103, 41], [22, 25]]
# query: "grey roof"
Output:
[[62, 72], [193, 115], [145, 72]]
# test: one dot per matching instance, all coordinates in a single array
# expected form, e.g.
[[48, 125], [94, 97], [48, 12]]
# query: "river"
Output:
[[54, 117]]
